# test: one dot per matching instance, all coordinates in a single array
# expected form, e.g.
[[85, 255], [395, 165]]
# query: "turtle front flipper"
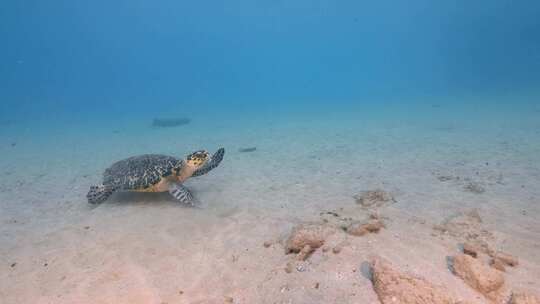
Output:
[[99, 194], [214, 162], [181, 193]]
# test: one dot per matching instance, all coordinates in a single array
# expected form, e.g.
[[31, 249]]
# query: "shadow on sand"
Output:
[[142, 199]]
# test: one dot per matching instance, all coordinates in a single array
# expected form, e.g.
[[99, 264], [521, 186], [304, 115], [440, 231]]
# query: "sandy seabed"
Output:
[[146, 248]]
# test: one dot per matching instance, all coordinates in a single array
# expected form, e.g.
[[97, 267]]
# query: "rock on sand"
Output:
[[393, 286], [481, 277]]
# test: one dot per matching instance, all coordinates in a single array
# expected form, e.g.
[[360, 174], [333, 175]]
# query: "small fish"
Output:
[[170, 122], [250, 149]]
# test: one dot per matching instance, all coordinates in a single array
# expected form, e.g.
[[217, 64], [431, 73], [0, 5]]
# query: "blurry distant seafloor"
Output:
[[308, 159], [304, 156]]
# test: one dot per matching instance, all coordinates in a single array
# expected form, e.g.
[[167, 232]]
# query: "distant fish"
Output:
[[250, 149], [170, 122]]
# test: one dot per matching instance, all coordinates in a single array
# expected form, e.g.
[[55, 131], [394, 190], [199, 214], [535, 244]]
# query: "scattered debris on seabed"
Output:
[[374, 198]]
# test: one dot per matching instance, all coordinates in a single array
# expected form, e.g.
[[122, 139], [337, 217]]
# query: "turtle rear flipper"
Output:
[[214, 162], [98, 194], [181, 193]]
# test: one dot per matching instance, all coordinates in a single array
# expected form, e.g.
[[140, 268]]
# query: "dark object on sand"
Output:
[[445, 178], [474, 187], [250, 149], [329, 212], [170, 122]]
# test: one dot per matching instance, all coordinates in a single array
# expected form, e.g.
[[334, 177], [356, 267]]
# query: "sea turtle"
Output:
[[154, 173]]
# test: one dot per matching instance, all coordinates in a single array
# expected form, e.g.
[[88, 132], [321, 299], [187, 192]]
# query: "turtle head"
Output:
[[197, 159], [193, 162]]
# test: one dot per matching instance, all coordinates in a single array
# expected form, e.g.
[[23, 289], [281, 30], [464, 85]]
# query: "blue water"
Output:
[[102, 59]]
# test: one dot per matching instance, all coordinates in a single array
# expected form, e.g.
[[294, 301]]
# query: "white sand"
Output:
[[145, 248]]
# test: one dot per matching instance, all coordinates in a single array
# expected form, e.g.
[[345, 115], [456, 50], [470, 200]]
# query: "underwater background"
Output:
[[104, 60], [437, 103]]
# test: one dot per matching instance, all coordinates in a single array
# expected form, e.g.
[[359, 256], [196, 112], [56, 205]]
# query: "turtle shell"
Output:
[[139, 172]]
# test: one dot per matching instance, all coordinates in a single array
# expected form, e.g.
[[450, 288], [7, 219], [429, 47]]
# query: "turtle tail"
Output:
[[98, 194]]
